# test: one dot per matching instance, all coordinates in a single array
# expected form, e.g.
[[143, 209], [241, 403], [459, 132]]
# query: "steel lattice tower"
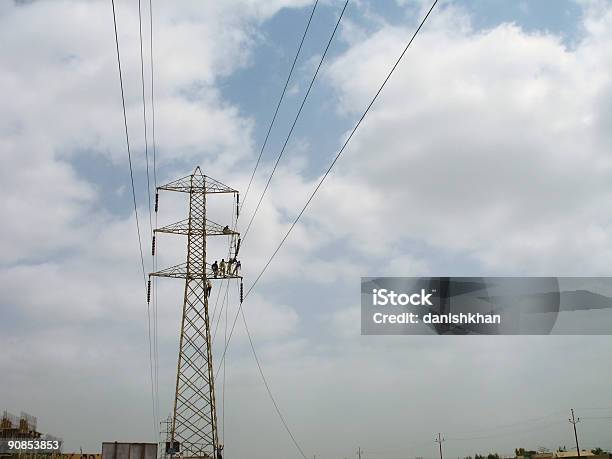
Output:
[[194, 421]]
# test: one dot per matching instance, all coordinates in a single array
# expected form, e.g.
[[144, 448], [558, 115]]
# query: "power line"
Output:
[[155, 304], [229, 255], [503, 429], [280, 100], [328, 170], [240, 311], [265, 381], [525, 429], [498, 435], [270, 129], [297, 219], [152, 96], [297, 116], [510, 433], [289, 134], [394, 452], [127, 140], [297, 54], [519, 424], [214, 312], [225, 298], [224, 372], [144, 115], [261, 372], [224, 303], [146, 145]]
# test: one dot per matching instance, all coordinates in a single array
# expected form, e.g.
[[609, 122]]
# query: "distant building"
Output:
[[117, 450], [572, 454], [23, 427], [569, 455], [546, 455], [19, 429]]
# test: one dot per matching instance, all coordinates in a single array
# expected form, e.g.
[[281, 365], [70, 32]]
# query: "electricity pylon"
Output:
[[194, 420]]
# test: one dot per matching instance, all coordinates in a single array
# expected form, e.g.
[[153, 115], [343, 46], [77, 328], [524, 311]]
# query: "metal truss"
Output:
[[180, 272], [204, 183], [194, 422], [182, 227]]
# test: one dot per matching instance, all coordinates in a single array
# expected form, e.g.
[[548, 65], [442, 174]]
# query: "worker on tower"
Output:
[[237, 267], [226, 230], [222, 267], [208, 287], [230, 264], [215, 268]]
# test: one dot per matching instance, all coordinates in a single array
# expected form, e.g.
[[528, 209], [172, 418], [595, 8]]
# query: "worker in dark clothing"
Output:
[[208, 288], [222, 267], [226, 230], [237, 267], [215, 268]]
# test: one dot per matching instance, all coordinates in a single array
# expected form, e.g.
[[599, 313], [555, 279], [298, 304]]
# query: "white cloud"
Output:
[[488, 143]]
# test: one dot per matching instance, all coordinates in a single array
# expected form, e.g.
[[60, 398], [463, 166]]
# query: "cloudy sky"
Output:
[[487, 154]]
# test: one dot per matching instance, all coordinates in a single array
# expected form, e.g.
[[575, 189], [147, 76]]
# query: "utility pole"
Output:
[[575, 421], [164, 436], [194, 418], [439, 440]]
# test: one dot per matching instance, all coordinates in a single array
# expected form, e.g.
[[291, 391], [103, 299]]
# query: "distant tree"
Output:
[[597, 451], [478, 456], [493, 456]]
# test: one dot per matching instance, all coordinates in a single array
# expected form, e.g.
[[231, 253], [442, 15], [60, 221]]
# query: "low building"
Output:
[[587, 454], [573, 454], [23, 429]]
